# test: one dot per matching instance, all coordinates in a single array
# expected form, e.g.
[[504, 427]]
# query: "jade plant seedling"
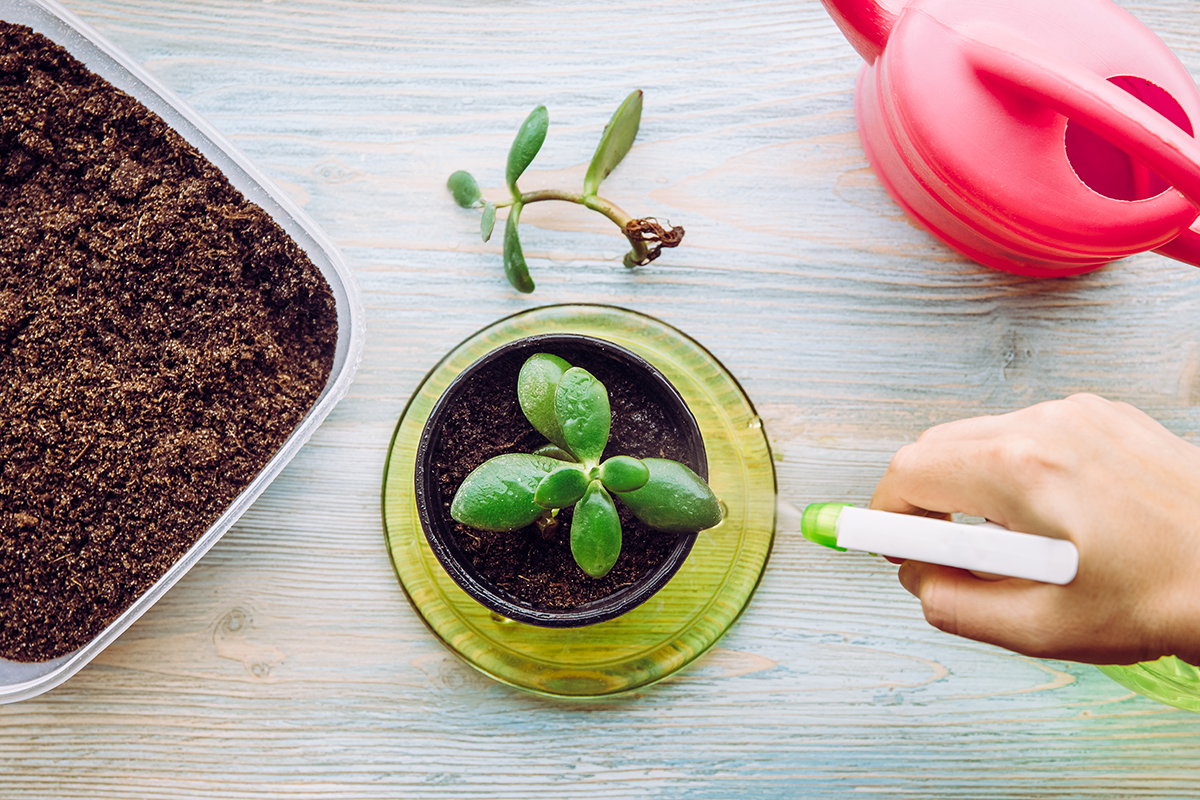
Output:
[[646, 236], [570, 407]]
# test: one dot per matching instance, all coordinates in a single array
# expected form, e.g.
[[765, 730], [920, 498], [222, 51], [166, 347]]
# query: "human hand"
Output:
[[1105, 476]]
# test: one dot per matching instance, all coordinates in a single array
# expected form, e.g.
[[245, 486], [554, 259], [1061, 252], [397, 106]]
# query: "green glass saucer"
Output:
[[675, 626]]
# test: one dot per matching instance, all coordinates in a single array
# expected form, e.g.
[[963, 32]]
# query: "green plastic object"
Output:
[[819, 523], [1168, 680], [679, 623]]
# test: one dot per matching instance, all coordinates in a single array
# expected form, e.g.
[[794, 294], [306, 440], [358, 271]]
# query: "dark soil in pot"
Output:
[[527, 567], [160, 338]]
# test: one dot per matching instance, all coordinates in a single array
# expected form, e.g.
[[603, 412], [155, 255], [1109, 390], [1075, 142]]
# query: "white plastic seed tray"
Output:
[[18, 680]]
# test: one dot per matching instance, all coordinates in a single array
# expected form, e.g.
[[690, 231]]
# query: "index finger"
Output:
[[981, 477]]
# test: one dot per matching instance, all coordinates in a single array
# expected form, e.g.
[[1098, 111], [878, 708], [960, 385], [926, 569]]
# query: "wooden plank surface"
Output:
[[288, 663]]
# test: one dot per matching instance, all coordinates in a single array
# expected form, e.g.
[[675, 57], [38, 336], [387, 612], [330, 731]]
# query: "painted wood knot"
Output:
[[446, 672], [333, 172], [230, 638], [236, 620]]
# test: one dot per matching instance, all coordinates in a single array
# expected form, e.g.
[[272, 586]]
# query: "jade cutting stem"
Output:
[[590, 201], [613, 212]]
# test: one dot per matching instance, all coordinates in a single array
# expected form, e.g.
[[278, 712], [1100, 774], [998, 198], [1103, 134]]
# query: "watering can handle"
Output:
[[1077, 92], [1185, 247], [866, 24]]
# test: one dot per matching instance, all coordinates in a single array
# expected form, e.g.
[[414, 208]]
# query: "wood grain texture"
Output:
[[288, 663]]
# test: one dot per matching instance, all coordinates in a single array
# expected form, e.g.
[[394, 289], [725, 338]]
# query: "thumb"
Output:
[[1011, 613]]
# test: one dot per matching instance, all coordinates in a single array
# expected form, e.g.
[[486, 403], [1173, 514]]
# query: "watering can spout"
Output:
[[865, 24]]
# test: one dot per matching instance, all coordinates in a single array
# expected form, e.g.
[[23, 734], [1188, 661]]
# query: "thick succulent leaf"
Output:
[[615, 142], [498, 494], [624, 474], [595, 532], [561, 488], [536, 384], [487, 221], [581, 403], [526, 145], [464, 188], [554, 451], [675, 499], [514, 257]]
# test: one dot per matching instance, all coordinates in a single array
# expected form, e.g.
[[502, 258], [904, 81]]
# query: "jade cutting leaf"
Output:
[[561, 488], [525, 146], [624, 474], [615, 142], [536, 384], [514, 257], [674, 499], [596, 532], [581, 405], [499, 494], [464, 188]]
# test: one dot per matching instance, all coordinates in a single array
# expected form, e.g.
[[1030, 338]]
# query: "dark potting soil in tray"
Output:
[[160, 338], [541, 571]]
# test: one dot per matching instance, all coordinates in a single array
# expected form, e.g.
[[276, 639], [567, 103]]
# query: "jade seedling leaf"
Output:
[[514, 257], [595, 532], [581, 404], [675, 499], [615, 142], [526, 145], [499, 494], [561, 488], [465, 190], [624, 474], [554, 451], [487, 220], [536, 384]]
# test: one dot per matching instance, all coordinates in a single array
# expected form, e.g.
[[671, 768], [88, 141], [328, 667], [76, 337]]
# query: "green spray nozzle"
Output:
[[819, 523]]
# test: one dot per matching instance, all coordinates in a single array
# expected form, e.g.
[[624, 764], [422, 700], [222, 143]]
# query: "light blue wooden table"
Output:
[[288, 663]]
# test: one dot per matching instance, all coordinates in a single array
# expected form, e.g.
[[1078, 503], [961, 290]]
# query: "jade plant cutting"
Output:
[[570, 407], [646, 236]]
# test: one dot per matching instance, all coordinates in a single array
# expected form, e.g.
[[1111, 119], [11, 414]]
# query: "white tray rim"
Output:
[[23, 680]]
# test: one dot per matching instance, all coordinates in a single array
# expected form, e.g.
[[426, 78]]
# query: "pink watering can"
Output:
[[1043, 137]]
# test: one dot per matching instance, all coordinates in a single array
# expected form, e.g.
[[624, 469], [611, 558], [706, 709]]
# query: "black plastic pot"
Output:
[[432, 506]]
